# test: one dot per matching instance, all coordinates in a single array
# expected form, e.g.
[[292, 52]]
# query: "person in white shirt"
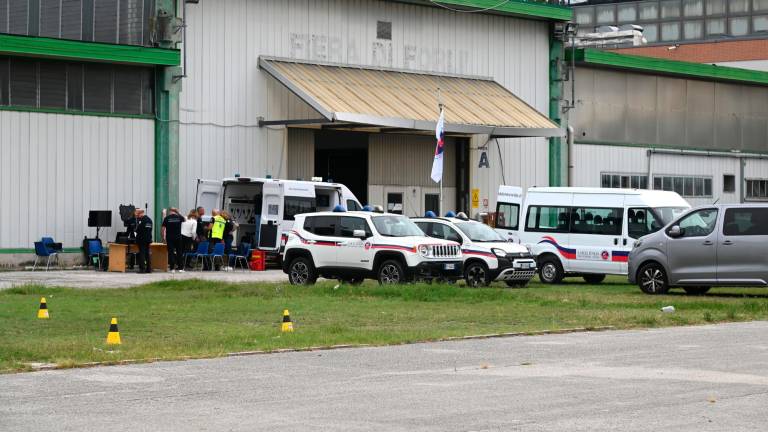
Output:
[[189, 232]]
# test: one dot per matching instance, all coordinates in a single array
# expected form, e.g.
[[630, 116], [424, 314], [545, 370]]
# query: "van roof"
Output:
[[245, 179], [592, 190]]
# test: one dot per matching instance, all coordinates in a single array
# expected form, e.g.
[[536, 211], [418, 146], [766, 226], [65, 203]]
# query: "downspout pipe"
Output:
[[570, 136]]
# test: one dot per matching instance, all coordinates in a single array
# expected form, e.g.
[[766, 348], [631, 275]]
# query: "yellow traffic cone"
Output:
[[287, 324], [113, 337], [42, 313]]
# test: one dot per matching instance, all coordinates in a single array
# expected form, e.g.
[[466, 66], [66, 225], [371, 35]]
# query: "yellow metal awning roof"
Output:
[[408, 100]]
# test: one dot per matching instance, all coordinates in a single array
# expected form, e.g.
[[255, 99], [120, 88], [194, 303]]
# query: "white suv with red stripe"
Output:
[[487, 255], [353, 246]]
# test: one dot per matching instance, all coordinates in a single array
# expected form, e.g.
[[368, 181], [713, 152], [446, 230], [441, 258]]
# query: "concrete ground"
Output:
[[710, 378], [96, 279]]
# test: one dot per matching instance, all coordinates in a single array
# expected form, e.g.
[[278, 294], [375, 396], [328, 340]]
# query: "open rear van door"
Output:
[[509, 204], [271, 216], [208, 194]]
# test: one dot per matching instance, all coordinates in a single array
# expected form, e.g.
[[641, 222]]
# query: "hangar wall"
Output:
[[56, 167], [225, 92]]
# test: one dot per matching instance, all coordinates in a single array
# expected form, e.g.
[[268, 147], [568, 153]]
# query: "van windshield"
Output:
[[668, 214], [478, 232], [396, 226]]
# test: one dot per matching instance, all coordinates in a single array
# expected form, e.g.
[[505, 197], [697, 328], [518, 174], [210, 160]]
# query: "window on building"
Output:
[[625, 181], [297, 205], [693, 29], [71, 19], [584, 15], [757, 189], [50, 11], [651, 32], [384, 30], [729, 183], [606, 15], [68, 86], [395, 203], [627, 13], [760, 5], [603, 221], [670, 9], [715, 7], [18, 11], [687, 186], [670, 31], [547, 219], [432, 203], [738, 6], [745, 222], [760, 23], [693, 8], [738, 26], [507, 216], [649, 11], [716, 26]]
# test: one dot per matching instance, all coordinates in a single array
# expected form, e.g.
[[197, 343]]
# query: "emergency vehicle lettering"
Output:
[[567, 253]]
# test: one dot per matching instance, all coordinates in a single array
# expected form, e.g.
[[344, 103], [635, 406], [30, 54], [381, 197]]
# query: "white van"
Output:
[[586, 232], [265, 208]]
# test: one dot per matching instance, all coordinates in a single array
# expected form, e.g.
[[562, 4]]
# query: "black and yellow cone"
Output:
[[113, 337], [287, 324], [42, 313]]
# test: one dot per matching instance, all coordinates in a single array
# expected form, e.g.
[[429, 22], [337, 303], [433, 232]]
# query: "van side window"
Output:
[[322, 225], [353, 206], [507, 216], [642, 221], [548, 219], [297, 205], [699, 223], [745, 222], [601, 221], [350, 224]]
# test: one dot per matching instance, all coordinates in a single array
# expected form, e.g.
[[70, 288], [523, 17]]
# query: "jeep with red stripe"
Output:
[[357, 245]]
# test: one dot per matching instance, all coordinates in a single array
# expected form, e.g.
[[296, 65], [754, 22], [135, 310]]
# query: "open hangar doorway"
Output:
[[342, 157]]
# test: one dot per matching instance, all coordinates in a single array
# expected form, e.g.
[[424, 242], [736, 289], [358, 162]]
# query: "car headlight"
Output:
[[424, 250], [499, 252]]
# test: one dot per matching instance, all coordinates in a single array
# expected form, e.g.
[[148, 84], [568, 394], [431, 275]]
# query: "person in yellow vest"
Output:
[[216, 233]]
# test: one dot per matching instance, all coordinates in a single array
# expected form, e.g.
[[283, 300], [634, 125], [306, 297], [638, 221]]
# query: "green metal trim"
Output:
[[8, 251], [556, 157], [609, 59], [80, 113], [714, 152], [31, 46], [517, 7]]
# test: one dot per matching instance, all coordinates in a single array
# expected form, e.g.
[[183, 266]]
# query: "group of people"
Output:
[[183, 235]]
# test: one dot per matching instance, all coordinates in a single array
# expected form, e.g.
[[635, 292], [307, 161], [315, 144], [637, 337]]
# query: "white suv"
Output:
[[352, 246], [487, 256]]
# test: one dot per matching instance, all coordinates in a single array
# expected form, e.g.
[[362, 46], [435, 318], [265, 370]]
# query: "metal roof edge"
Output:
[[601, 58]]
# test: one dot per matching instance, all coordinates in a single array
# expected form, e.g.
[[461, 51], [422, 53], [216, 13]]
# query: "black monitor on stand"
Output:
[[99, 219]]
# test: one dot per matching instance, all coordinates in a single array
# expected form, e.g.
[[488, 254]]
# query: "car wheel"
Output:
[[476, 275], [652, 279], [391, 272], [696, 290], [516, 284], [594, 278], [302, 272], [551, 271]]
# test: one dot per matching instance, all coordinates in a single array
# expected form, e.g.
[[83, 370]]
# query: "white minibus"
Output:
[[264, 208], [584, 232]]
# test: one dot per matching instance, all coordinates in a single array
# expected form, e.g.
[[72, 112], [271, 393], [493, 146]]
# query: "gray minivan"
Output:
[[719, 245]]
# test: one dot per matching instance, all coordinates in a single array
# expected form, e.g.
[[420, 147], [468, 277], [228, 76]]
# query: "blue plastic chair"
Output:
[[218, 252], [95, 250], [51, 245], [41, 251], [242, 256], [199, 254]]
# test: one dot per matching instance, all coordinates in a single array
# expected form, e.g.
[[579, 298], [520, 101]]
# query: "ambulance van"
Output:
[[583, 232]]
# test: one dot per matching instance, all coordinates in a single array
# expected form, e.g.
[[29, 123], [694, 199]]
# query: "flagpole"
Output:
[[439, 112]]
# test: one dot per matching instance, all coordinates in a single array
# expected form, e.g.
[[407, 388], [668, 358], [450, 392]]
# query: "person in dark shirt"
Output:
[[143, 239], [171, 228], [202, 226]]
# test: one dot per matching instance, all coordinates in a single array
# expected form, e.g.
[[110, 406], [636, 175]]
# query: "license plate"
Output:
[[526, 265], [450, 266]]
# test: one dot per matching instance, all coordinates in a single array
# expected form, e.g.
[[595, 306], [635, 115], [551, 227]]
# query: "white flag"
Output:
[[437, 164]]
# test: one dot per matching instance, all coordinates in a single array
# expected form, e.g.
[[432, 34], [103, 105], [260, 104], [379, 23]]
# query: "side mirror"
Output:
[[675, 231], [359, 234]]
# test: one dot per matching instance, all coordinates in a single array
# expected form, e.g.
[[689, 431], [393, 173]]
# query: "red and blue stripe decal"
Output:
[[478, 253], [567, 253], [394, 247], [619, 256]]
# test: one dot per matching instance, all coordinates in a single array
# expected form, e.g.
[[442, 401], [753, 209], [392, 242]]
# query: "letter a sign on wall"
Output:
[[484, 160]]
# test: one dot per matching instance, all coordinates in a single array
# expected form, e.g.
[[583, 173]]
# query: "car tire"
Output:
[[515, 284], [391, 272], [302, 271], [551, 271], [700, 290], [476, 275], [594, 278], [652, 279]]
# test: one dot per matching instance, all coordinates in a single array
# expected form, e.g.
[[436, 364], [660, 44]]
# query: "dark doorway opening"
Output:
[[462, 175], [343, 158]]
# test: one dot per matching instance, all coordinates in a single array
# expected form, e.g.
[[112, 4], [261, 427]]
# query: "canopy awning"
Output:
[[397, 100]]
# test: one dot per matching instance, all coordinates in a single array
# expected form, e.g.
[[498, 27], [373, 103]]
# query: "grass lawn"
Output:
[[177, 319]]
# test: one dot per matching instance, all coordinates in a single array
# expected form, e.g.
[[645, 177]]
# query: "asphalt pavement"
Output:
[[709, 378]]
